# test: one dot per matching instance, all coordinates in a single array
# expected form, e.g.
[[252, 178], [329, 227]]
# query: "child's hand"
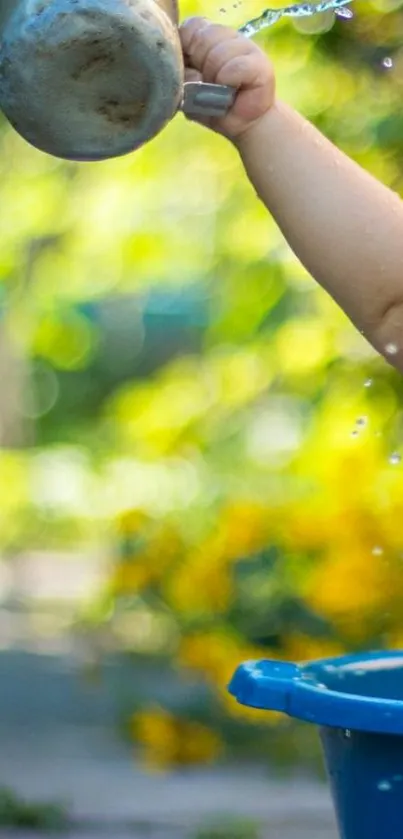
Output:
[[220, 55]]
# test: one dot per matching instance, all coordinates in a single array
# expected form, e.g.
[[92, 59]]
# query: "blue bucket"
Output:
[[357, 701]]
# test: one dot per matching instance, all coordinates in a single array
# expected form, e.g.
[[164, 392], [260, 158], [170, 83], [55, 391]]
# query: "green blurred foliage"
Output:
[[180, 395], [17, 813], [229, 829]]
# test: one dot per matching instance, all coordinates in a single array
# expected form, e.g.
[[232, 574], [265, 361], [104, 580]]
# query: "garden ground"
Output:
[[59, 744], [111, 796]]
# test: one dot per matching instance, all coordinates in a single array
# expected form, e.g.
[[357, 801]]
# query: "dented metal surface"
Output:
[[94, 79], [90, 79]]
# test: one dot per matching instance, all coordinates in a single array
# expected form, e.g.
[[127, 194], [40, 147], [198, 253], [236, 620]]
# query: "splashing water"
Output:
[[395, 458], [384, 786], [270, 16], [347, 14], [360, 424]]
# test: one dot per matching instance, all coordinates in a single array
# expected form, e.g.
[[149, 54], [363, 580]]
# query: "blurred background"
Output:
[[200, 460]]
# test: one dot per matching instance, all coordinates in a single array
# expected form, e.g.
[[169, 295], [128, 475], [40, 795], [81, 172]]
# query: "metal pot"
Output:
[[90, 79]]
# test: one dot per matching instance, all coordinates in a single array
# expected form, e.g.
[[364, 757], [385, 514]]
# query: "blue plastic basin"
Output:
[[357, 701]]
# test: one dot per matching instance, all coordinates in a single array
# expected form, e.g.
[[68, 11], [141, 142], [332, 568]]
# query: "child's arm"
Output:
[[344, 226]]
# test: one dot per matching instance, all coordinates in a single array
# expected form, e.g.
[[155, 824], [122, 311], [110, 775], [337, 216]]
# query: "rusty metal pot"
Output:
[[90, 79]]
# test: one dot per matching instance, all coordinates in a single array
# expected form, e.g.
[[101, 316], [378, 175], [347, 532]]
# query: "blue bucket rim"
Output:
[[296, 690]]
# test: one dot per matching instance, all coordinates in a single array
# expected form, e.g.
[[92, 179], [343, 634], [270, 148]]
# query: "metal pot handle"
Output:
[[207, 100]]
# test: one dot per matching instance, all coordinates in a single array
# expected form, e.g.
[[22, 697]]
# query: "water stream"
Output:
[[271, 16]]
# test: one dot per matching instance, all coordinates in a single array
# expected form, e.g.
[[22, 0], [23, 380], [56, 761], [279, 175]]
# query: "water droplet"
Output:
[[347, 733], [384, 786], [391, 348], [223, 11], [345, 13], [377, 550], [354, 433], [362, 422], [395, 458], [387, 62], [368, 382]]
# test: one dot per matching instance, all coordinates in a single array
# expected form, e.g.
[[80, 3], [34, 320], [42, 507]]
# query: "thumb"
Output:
[[192, 75]]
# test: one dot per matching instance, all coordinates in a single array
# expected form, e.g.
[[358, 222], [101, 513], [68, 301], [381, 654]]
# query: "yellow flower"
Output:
[[159, 548], [201, 585], [243, 529], [130, 577], [308, 525], [388, 503], [168, 740], [395, 639], [155, 731], [131, 522], [299, 648], [216, 654], [350, 583], [163, 547]]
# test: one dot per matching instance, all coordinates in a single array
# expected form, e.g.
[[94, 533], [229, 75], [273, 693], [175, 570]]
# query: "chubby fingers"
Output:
[[199, 35], [222, 55]]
